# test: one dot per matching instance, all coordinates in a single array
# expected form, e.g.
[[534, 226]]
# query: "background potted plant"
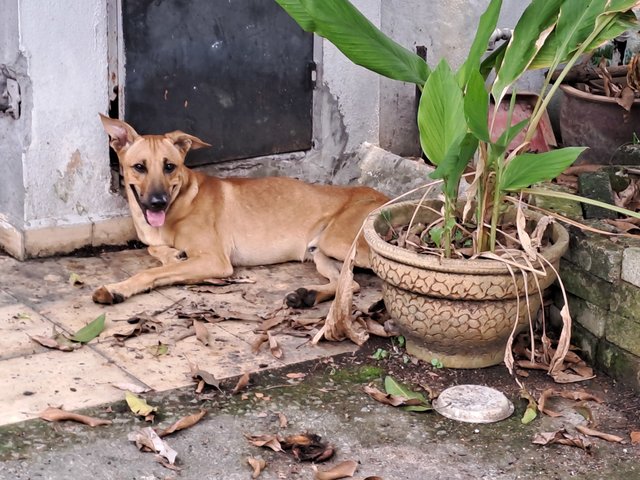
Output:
[[600, 108], [456, 135]]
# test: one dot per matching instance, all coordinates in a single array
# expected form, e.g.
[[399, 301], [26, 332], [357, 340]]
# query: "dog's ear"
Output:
[[185, 142], [122, 134]]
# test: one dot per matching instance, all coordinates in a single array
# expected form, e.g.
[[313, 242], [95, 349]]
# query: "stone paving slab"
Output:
[[36, 296]]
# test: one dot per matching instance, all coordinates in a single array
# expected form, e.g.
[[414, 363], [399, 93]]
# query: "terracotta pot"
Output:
[[460, 312], [597, 122]]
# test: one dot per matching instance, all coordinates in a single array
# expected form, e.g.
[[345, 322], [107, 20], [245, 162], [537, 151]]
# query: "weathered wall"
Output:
[[66, 172], [12, 132]]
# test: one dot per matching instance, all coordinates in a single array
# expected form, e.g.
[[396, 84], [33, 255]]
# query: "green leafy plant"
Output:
[[454, 109]]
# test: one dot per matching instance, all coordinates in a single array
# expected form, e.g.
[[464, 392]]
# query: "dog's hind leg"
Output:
[[311, 295]]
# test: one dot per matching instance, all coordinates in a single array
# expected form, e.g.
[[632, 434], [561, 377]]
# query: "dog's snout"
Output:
[[158, 201]]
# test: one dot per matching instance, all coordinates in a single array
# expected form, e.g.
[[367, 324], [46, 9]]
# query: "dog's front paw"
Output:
[[301, 298], [104, 296]]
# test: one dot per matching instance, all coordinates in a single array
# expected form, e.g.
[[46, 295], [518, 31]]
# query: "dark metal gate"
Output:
[[236, 73]]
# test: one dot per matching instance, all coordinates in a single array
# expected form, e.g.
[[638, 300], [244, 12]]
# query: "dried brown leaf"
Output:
[[595, 433], [626, 98], [243, 381], [562, 437], [54, 343], [296, 375], [184, 422], [267, 441], [276, 351], [202, 334], [339, 324], [258, 465], [341, 470], [282, 420], [53, 414], [389, 399], [148, 439], [635, 438], [257, 343]]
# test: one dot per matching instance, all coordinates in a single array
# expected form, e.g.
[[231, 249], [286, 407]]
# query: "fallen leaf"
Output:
[[562, 437], [74, 279], [203, 376], [257, 343], [296, 375], [202, 334], [184, 422], [308, 447], [58, 342], [132, 387], [258, 465], [90, 331], [393, 387], [341, 470], [267, 441], [635, 438], [531, 412], [53, 414], [159, 349], [595, 433], [282, 420], [138, 405], [148, 439], [276, 351], [243, 381], [144, 323], [389, 399]]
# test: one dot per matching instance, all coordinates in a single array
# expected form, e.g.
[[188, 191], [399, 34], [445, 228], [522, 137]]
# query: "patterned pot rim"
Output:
[[374, 221]]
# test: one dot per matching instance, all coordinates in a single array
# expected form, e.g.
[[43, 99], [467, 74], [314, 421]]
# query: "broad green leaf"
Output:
[[441, 119], [454, 163], [138, 405], [576, 22], [360, 40], [476, 106], [529, 168], [507, 137], [527, 39], [90, 331], [299, 13], [486, 26], [493, 60], [393, 387], [577, 198]]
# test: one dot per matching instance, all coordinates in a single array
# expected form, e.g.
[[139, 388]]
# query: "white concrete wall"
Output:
[[66, 168]]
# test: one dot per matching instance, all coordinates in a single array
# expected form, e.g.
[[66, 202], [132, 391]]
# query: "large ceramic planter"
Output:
[[597, 122], [460, 312]]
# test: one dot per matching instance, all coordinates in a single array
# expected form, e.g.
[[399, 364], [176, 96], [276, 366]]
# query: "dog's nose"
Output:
[[158, 202]]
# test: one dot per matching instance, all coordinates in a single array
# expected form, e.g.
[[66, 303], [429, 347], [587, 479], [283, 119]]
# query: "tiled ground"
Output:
[[36, 297]]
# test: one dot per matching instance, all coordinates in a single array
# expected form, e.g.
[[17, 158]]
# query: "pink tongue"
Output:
[[155, 219]]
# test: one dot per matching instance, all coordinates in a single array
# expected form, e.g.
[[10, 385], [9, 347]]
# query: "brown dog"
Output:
[[200, 226]]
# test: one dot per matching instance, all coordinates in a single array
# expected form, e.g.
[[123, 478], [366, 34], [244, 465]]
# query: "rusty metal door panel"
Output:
[[236, 73]]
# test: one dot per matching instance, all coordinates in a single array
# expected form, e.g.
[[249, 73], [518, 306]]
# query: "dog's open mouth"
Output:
[[155, 218]]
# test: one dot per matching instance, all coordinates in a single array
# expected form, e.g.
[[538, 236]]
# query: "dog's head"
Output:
[[152, 165]]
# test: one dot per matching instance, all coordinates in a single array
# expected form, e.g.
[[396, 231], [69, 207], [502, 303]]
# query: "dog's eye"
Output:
[[140, 168], [169, 167]]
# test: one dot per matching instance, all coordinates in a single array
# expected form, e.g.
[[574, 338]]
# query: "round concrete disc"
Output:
[[473, 404]]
